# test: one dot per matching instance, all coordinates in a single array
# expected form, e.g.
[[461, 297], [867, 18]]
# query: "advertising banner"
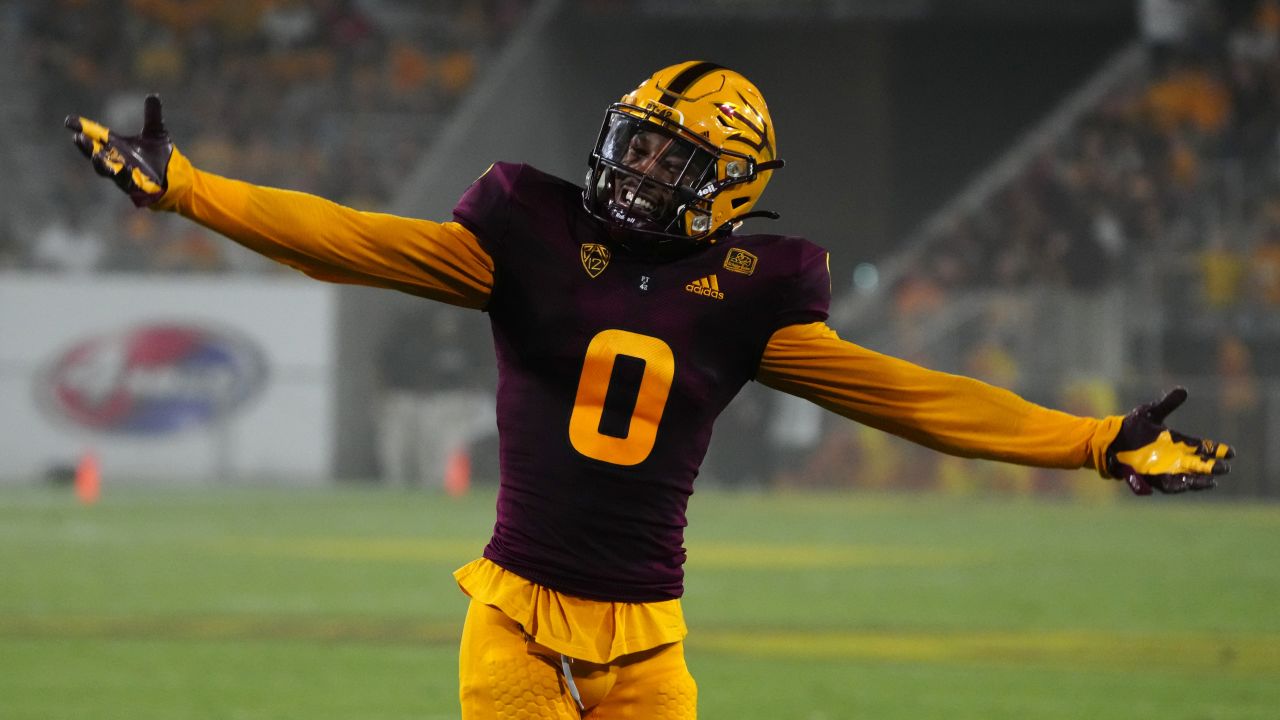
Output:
[[166, 379]]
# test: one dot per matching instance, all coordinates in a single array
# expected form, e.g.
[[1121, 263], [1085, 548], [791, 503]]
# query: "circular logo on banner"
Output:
[[153, 380]]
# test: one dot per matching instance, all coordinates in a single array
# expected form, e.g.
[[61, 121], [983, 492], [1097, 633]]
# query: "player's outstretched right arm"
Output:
[[442, 261], [138, 164]]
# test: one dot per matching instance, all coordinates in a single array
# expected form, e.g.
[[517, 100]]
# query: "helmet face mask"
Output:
[[682, 159], [646, 178]]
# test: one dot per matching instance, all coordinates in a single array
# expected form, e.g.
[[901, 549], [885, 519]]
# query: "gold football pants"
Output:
[[504, 675]]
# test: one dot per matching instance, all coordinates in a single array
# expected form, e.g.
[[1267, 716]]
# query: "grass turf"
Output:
[[337, 603]]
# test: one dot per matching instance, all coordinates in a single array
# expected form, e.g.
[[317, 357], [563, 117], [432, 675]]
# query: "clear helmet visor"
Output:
[[646, 176]]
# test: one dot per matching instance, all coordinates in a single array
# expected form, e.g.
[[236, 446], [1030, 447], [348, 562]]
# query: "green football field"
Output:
[[243, 603]]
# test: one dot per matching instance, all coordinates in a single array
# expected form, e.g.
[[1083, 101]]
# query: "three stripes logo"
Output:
[[708, 286]]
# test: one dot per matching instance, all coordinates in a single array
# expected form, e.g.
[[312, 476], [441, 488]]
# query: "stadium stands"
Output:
[[1182, 157], [333, 97]]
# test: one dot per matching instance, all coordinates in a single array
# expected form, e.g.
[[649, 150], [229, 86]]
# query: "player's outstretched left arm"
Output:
[[1149, 456], [965, 417]]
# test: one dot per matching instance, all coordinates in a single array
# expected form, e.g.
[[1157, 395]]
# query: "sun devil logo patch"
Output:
[[595, 258], [740, 261]]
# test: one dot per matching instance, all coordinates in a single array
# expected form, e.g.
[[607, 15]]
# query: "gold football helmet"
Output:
[[684, 156]]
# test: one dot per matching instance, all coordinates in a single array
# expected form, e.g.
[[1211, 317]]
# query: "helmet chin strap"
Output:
[[733, 223], [756, 214]]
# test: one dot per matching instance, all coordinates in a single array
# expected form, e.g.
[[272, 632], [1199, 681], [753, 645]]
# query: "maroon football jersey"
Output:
[[611, 371]]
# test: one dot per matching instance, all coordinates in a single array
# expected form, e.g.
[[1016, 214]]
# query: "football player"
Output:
[[625, 316]]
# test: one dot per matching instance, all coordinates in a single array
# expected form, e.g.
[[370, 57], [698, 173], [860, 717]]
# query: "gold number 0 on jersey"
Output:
[[593, 386]]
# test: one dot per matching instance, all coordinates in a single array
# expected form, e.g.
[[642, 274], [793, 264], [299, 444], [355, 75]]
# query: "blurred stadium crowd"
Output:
[[334, 97], [339, 97], [1182, 158]]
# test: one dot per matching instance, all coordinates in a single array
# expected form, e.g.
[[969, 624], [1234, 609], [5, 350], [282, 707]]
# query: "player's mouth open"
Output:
[[641, 203]]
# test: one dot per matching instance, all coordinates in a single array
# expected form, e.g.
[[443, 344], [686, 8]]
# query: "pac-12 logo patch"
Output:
[[740, 261], [595, 258]]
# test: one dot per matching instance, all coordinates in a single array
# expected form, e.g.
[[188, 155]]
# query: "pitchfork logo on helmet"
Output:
[[684, 156]]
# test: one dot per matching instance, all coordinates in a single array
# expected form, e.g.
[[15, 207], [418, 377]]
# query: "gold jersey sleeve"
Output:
[[950, 413], [328, 241]]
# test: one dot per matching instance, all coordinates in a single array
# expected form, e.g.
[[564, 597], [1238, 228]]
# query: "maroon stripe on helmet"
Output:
[[686, 78]]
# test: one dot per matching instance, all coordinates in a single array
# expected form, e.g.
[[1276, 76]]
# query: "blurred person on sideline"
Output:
[[403, 358], [1264, 266], [10, 254], [793, 430], [1222, 271], [69, 243], [433, 407], [625, 316], [1168, 27], [1091, 396], [1240, 409], [738, 459]]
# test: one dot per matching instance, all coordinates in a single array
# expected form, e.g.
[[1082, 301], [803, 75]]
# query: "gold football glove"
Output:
[[1147, 455], [138, 164]]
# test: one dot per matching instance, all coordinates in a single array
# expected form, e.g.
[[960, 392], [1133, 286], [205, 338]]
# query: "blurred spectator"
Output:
[[457, 69], [10, 253], [736, 457], [1168, 27], [1240, 410], [1089, 397], [288, 24], [411, 69], [138, 244], [854, 455], [69, 243], [1223, 274], [990, 361], [919, 293], [1191, 93], [792, 431], [1264, 267], [403, 366], [191, 249]]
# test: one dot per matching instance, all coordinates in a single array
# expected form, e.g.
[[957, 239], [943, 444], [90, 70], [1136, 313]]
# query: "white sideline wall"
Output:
[[272, 337]]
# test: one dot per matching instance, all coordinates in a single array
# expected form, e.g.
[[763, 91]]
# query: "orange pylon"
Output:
[[88, 478], [457, 472]]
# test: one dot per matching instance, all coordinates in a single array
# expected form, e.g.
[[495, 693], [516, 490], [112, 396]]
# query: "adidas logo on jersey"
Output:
[[708, 286]]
